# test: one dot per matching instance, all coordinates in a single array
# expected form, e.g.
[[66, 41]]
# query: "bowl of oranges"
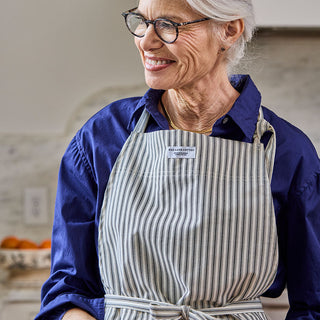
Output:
[[18, 253]]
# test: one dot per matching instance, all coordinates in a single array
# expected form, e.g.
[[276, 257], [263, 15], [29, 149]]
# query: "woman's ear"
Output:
[[232, 31]]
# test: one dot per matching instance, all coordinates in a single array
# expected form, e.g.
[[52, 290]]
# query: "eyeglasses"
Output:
[[166, 29]]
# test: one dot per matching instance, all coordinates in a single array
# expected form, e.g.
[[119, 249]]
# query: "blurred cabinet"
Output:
[[20, 293], [21, 311], [287, 13]]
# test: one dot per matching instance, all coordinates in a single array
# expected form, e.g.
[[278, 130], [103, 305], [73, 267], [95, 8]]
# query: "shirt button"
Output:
[[225, 120]]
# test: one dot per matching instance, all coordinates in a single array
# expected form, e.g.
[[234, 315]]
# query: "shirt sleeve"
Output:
[[74, 278], [303, 248]]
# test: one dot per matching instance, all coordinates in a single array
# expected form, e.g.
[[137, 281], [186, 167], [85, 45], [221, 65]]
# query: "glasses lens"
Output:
[[166, 30], [136, 24]]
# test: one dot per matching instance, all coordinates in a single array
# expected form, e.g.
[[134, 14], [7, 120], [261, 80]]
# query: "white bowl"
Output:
[[25, 258]]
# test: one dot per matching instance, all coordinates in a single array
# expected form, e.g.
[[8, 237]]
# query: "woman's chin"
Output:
[[157, 83], [160, 82]]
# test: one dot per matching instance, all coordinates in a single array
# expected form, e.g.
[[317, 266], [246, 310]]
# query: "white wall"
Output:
[[56, 53]]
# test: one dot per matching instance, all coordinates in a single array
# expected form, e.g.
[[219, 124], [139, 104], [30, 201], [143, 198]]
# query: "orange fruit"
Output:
[[45, 244], [27, 244], [10, 242]]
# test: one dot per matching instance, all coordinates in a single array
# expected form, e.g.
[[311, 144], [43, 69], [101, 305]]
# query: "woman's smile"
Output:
[[156, 64]]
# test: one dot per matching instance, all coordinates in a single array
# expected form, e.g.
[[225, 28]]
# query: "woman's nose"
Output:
[[150, 40]]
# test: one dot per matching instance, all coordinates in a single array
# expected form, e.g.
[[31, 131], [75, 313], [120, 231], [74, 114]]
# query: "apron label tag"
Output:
[[181, 152]]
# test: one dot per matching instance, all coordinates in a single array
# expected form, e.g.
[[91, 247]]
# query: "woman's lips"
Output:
[[156, 64]]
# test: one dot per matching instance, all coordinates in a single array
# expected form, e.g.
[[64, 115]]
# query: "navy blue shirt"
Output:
[[85, 169]]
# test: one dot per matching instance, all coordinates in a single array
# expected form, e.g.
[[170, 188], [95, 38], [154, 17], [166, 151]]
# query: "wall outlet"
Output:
[[35, 206]]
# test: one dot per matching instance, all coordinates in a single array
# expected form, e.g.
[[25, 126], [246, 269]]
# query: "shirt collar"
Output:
[[244, 112], [150, 102]]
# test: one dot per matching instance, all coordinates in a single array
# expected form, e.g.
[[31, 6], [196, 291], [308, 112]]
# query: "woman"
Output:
[[168, 206]]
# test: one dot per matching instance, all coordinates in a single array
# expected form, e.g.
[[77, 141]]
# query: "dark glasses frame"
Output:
[[131, 12]]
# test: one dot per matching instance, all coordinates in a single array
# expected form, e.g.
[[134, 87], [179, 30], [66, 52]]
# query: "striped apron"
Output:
[[187, 227]]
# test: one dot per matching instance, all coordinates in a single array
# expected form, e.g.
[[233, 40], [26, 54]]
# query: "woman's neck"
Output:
[[197, 109]]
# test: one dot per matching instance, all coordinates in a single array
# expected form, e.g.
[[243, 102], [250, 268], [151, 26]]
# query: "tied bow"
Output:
[[173, 312], [166, 311]]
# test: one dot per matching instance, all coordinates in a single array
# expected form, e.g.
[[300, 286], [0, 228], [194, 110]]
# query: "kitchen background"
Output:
[[61, 61]]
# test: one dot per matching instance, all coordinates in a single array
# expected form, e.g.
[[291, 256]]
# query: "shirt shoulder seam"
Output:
[[307, 184]]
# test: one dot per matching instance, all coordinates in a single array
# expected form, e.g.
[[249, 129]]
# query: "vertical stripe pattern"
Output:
[[197, 233]]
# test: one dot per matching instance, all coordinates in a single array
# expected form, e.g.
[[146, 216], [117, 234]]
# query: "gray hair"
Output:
[[229, 10]]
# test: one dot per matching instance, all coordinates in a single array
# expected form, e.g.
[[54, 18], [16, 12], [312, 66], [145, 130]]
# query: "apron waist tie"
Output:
[[164, 310]]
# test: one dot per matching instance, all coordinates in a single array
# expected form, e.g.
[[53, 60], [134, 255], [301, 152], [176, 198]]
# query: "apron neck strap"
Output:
[[262, 127], [142, 122]]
